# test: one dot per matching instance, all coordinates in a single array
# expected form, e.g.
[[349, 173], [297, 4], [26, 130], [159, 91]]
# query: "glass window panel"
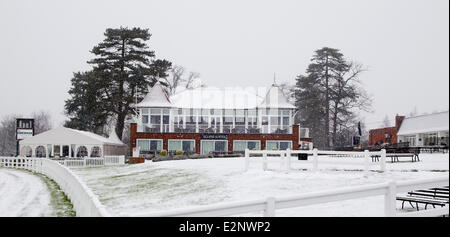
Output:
[[144, 111], [286, 121], [227, 120], [165, 119], [229, 112], [144, 145], [155, 145], [240, 112], [239, 145], [207, 146], [144, 118], [174, 145], [220, 146], [273, 112], [271, 145], [253, 145], [240, 120], [165, 111], [155, 111], [265, 120], [155, 119], [275, 120], [285, 145], [188, 145], [286, 112], [252, 112]]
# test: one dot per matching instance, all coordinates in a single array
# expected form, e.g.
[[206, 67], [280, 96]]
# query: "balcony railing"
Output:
[[226, 129]]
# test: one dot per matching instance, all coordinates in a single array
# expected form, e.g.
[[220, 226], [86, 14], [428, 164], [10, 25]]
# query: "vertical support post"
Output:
[[390, 199], [383, 160], [315, 159], [366, 162], [288, 157], [264, 160], [270, 207], [246, 159]]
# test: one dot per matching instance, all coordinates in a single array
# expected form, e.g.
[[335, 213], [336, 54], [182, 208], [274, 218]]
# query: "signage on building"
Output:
[[356, 140], [24, 128], [24, 133], [213, 136]]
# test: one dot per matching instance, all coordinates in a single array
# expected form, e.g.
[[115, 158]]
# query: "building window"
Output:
[[184, 145], [241, 145], [278, 145], [208, 146], [146, 145]]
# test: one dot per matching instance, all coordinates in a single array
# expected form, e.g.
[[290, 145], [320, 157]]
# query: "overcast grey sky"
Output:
[[404, 43]]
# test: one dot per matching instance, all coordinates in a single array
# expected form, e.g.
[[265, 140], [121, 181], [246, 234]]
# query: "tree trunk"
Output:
[[327, 105]]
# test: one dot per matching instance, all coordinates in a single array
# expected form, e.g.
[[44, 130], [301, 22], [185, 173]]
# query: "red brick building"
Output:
[[208, 120], [386, 135]]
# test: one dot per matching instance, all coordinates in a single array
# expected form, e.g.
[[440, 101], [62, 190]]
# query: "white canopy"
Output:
[[425, 123], [64, 135]]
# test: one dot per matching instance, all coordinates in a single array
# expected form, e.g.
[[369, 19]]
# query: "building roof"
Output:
[[218, 98], [156, 97], [63, 136], [275, 98], [425, 123]]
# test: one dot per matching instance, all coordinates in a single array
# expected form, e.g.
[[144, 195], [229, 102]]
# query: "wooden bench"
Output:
[[433, 196], [394, 157]]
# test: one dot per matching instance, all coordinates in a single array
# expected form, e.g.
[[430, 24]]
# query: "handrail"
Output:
[[270, 204], [85, 202]]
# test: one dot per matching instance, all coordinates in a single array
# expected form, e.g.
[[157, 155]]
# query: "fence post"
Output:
[[270, 207], [315, 159], [288, 157], [390, 199], [366, 162], [246, 159], [383, 160], [264, 160]]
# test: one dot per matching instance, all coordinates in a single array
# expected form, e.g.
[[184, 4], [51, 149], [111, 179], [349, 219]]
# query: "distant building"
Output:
[[67, 143], [422, 130], [206, 120], [385, 135], [425, 130]]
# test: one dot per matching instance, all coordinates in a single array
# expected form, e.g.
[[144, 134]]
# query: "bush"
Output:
[[163, 153], [179, 152]]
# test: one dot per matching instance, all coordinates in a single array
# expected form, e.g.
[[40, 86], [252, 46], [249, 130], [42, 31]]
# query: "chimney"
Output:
[[398, 121]]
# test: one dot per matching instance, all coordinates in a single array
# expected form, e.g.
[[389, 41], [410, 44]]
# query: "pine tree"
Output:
[[123, 68]]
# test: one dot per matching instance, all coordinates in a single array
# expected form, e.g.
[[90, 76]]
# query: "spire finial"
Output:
[[274, 79]]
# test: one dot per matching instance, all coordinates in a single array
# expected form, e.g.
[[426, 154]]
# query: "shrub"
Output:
[[163, 153], [179, 152]]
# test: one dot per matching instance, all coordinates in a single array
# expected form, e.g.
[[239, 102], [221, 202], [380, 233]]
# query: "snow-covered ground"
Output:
[[167, 185], [23, 194]]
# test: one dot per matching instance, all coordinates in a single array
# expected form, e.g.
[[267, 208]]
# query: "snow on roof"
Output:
[[275, 98], [113, 136], [156, 97], [425, 123], [222, 98], [63, 136]]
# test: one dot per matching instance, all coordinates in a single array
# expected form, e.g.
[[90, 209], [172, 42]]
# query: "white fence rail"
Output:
[[80, 162], [285, 158], [269, 205], [84, 201]]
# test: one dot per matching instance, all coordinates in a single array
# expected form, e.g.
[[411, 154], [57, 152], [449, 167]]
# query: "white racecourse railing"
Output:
[[84, 201], [269, 205], [286, 161], [80, 162]]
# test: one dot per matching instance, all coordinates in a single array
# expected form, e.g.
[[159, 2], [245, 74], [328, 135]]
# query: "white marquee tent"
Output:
[[66, 142]]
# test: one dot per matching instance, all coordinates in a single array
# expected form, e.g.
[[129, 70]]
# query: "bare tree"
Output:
[[8, 135], [177, 78], [42, 121], [386, 122]]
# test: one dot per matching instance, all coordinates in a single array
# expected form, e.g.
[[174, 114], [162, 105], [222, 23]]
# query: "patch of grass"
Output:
[[58, 199]]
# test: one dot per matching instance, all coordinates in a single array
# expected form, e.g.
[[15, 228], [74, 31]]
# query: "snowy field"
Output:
[[167, 185], [23, 194]]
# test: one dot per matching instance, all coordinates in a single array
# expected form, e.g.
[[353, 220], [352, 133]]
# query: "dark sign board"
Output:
[[24, 128], [356, 140], [213, 136]]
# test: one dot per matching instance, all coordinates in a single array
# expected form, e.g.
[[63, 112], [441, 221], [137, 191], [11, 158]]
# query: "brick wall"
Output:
[[379, 135], [196, 136]]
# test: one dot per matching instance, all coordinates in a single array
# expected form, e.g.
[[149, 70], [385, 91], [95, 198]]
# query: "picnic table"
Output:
[[433, 196], [394, 157]]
